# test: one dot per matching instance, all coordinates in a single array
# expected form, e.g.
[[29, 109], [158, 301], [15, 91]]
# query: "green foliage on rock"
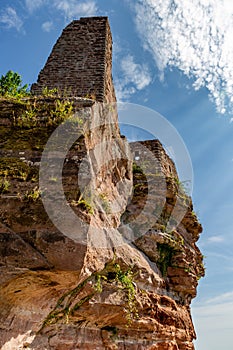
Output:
[[166, 253], [126, 280], [17, 169], [4, 186], [137, 169], [33, 195], [11, 85]]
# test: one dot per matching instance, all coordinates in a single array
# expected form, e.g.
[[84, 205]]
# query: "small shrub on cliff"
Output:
[[137, 169], [33, 195], [15, 168], [4, 186], [11, 85], [105, 203], [83, 204], [63, 110], [46, 92], [98, 285], [28, 119], [126, 280], [166, 253]]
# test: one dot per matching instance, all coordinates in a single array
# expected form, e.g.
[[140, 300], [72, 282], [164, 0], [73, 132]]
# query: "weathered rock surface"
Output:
[[111, 290]]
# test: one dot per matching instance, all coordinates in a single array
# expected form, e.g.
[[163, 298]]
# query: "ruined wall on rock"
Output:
[[144, 151], [80, 63]]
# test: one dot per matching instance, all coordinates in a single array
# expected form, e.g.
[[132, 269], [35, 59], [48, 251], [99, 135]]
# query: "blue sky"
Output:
[[175, 57]]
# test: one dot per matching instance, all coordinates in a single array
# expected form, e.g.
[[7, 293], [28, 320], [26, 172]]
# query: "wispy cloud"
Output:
[[10, 18], [222, 298], [194, 36], [70, 9], [74, 8], [133, 77], [213, 317], [225, 257], [216, 239], [33, 5], [135, 73], [47, 26], [213, 321]]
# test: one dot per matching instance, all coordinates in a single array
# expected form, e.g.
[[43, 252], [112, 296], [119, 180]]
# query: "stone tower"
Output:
[[80, 63]]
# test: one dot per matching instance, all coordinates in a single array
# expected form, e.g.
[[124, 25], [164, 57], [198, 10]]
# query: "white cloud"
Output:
[[33, 5], [134, 77], [196, 37], [10, 18], [69, 8], [123, 92], [47, 26], [213, 322], [216, 239], [222, 298], [74, 8], [135, 73]]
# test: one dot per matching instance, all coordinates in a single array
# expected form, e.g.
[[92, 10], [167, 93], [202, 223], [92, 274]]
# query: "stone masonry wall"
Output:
[[144, 150], [80, 63]]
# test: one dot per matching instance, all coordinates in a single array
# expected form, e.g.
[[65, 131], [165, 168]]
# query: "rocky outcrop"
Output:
[[97, 237], [123, 273]]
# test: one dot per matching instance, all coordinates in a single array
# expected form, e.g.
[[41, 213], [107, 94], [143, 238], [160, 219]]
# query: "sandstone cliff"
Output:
[[98, 237], [120, 277]]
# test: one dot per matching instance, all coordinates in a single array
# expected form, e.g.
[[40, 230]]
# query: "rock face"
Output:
[[112, 262], [108, 292]]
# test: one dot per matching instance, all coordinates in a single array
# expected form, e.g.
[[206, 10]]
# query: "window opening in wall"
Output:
[[136, 155]]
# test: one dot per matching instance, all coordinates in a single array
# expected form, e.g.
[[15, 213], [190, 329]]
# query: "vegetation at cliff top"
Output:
[[11, 85]]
